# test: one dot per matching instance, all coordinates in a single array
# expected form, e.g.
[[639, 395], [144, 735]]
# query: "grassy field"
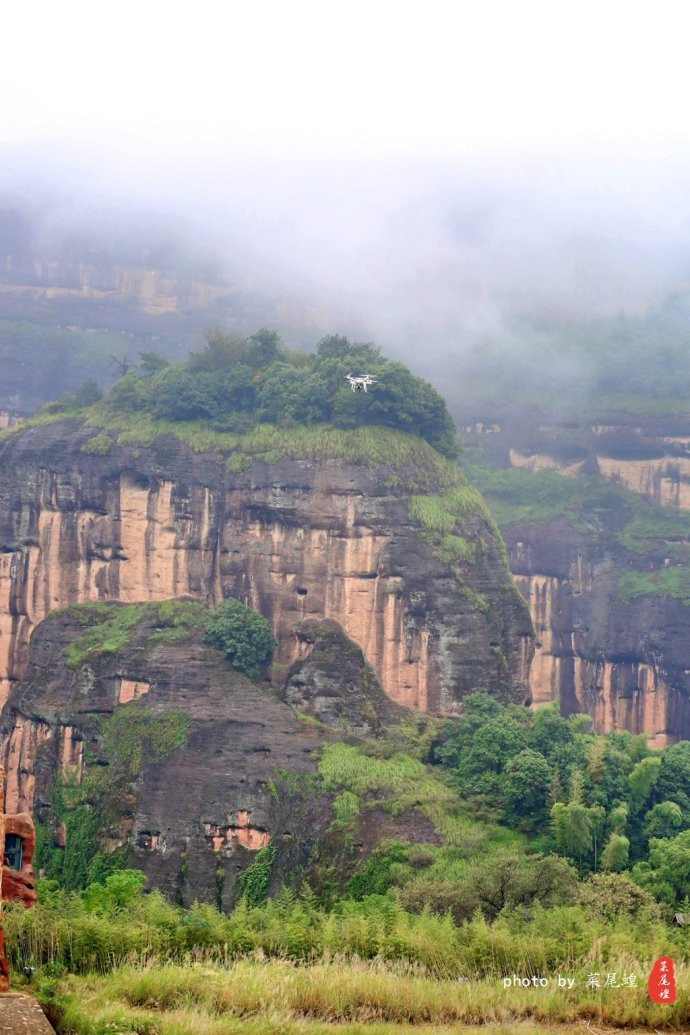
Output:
[[341, 995]]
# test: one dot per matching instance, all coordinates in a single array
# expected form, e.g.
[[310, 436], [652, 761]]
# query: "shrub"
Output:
[[244, 636], [610, 895]]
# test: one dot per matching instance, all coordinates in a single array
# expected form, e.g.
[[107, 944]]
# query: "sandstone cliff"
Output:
[[293, 539], [163, 743], [625, 662]]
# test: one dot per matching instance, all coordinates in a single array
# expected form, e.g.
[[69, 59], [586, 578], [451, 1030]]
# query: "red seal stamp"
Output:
[[662, 982]]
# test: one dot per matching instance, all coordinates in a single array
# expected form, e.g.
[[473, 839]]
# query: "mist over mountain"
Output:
[[541, 266]]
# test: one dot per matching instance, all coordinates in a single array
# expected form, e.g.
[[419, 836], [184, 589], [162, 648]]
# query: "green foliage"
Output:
[[119, 891], [521, 497], [177, 620], [345, 807], [667, 873], [601, 801], [611, 895], [83, 860], [98, 445], [244, 636], [134, 734], [418, 466], [375, 876], [92, 811], [445, 521], [233, 383], [663, 820], [526, 787], [399, 782], [671, 582], [615, 854], [109, 628], [504, 881], [659, 535], [252, 883]]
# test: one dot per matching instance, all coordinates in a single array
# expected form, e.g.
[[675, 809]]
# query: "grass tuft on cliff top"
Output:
[[371, 446], [417, 464]]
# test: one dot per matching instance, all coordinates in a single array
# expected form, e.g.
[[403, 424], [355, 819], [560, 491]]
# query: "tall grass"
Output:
[[268, 443], [61, 932], [164, 999]]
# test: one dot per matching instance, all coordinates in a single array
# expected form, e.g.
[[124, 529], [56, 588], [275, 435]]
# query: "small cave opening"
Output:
[[301, 591]]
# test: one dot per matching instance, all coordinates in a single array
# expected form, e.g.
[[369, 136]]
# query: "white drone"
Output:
[[360, 384]]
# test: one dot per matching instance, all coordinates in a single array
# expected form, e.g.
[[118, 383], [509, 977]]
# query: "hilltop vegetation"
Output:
[[234, 384]]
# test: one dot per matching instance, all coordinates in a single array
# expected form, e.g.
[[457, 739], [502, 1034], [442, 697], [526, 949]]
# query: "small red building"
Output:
[[17, 880], [17, 871]]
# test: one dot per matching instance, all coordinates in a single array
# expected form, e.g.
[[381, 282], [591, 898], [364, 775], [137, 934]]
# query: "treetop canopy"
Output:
[[235, 382]]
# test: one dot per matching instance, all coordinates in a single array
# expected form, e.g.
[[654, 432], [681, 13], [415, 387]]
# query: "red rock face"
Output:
[[295, 540], [19, 884], [241, 834], [4, 966]]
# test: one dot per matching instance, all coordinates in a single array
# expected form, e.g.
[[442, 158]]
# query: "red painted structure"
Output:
[[17, 871], [17, 875]]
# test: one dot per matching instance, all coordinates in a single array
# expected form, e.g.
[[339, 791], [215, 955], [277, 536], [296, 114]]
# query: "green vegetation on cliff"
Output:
[[244, 636], [92, 811], [234, 384], [108, 627], [605, 513], [452, 896]]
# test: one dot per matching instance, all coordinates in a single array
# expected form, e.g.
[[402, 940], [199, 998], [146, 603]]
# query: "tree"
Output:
[[178, 395], [667, 874], [263, 348], [526, 788], [643, 778], [220, 352], [279, 393], [663, 820], [480, 766], [88, 393], [151, 362], [244, 636], [612, 894], [615, 854], [673, 783]]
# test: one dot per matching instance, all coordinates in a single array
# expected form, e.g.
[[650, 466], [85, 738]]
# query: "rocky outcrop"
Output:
[[293, 539], [333, 684], [192, 779], [190, 809], [627, 665]]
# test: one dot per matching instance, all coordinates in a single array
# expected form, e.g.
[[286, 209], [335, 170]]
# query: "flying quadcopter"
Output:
[[360, 384]]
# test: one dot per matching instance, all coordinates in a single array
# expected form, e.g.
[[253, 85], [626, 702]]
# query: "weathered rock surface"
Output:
[[190, 819], [20, 1014], [626, 664], [293, 540], [334, 684], [192, 813]]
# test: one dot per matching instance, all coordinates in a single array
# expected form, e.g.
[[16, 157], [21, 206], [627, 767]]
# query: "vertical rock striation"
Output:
[[293, 539]]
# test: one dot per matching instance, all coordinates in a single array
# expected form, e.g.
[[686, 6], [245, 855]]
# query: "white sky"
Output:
[[153, 77]]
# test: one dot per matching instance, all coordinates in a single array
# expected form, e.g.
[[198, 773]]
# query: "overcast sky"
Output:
[[451, 156], [444, 76]]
